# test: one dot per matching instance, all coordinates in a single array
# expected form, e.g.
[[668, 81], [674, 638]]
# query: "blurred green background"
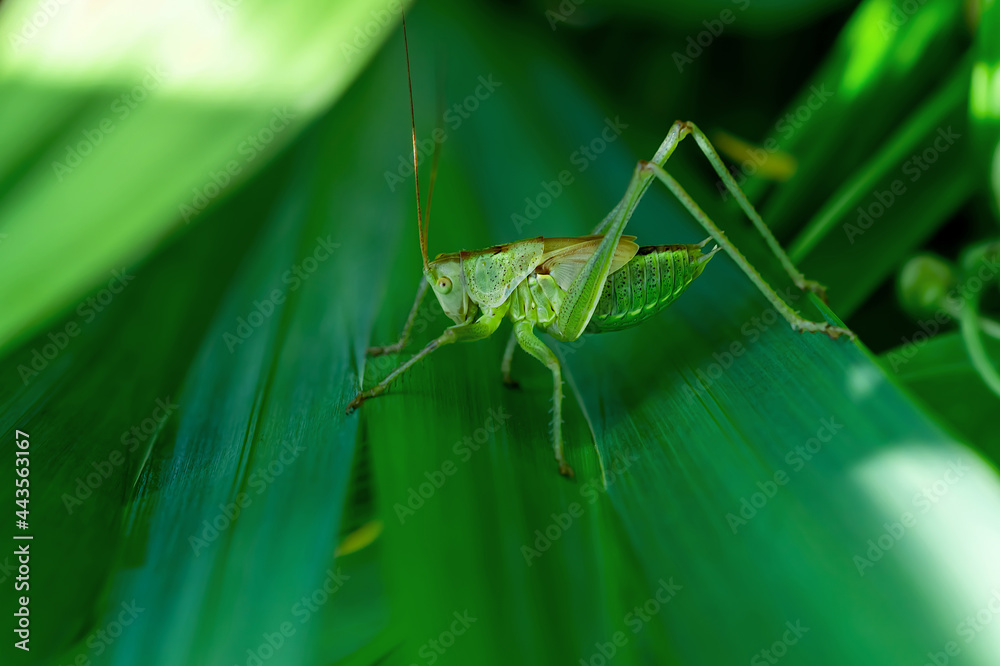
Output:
[[206, 216]]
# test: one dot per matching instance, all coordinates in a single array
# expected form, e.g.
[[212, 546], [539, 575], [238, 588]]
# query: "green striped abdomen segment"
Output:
[[651, 281]]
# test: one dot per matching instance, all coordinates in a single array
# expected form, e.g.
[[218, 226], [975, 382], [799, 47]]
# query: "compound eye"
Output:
[[443, 285]]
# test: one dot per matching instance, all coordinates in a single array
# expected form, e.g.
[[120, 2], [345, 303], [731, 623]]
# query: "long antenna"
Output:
[[413, 134], [437, 152], [430, 192]]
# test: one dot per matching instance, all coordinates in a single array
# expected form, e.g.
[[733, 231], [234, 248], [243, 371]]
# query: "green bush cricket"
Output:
[[569, 286]]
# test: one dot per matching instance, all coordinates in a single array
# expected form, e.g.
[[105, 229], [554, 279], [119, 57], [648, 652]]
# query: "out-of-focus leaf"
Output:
[[984, 102], [714, 17], [880, 136], [99, 98], [885, 62], [895, 201], [939, 371]]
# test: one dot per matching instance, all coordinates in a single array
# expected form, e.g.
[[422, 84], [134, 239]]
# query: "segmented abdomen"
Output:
[[651, 281]]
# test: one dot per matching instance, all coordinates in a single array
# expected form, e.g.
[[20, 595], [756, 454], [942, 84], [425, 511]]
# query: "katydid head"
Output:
[[445, 277]]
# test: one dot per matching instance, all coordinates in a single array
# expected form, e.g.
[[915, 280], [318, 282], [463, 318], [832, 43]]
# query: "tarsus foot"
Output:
[[382, 351], [814, 287], [354, 404], [816, 327], [511, 383]]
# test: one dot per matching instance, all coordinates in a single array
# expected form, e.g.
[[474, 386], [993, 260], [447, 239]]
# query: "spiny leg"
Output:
[[583, 296], [797, 322], [640, 182], [530, 343], [482, 328], [797, 277], [585, 290], [508, 356], [405, 336]]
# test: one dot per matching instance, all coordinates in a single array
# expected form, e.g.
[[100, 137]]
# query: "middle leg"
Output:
[[508, 357], [530, 343]]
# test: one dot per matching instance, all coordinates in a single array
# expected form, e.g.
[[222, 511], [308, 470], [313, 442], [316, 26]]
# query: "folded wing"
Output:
[[563, 258]]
